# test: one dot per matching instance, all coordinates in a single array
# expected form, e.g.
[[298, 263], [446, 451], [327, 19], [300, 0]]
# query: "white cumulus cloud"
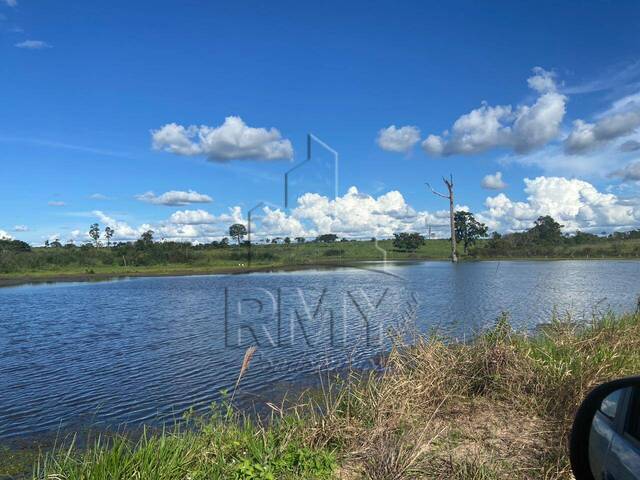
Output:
[[20, 228], [175, 198], [522, 129], [33, 45], [591, 149], [493, 182], [56, 203], [401, 139], [123, 231], [5, 236], [191, 217], [576, 204], [233, 140], [587, 136], [358, 215]]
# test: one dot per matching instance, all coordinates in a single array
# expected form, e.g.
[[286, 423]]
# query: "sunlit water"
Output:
[[143, 350]]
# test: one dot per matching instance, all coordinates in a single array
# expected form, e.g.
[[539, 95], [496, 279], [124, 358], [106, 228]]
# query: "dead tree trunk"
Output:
[[449, 184]]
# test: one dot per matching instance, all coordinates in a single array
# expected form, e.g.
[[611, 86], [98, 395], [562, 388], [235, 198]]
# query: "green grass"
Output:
[[225, 446], [497, 407]]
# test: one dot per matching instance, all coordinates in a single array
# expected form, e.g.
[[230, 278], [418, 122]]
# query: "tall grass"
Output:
[[498, 407]]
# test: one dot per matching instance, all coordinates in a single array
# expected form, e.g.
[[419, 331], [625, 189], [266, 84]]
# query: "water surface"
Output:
[[145, 349]]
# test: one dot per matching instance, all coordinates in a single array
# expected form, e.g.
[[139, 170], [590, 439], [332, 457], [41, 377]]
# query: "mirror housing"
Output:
[[581, 429]]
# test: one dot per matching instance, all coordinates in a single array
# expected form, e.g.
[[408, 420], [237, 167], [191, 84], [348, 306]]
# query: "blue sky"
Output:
[[85, 84]]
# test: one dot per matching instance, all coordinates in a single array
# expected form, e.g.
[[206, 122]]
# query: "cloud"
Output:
[[353, 215], [619, 75], [630, 146], [123, 231], [11, 3], [474, 132], [401, 139], [65, 146], [191, 217], [233, 140], [56, 203], [554, 161], [522, 129], [20, 228], [278, 223], [630, 172], [493, 182], [586, 136], [358, 215], [99, 196], [175, 198], [33, 45], [5, 236], [196, 226], [576, 204], [542, 81]]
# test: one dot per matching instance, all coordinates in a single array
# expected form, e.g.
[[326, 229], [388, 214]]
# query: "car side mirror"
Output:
[[587, 444]]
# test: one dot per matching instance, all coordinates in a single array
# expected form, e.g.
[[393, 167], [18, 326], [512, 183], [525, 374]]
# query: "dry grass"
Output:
[[498, 407]]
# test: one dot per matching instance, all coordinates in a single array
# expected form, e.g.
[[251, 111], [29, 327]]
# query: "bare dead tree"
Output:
[[449, 184]]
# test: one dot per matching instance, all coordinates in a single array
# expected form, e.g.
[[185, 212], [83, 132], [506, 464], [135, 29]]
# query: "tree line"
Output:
[[544, 238]]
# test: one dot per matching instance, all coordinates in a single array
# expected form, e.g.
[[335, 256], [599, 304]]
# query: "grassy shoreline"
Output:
[[98, 274], [51, 264], [160, 259], [17, 279], [497, 407]]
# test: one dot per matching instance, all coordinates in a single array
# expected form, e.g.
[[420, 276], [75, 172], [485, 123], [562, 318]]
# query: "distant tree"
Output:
[[495, 241], [580, 238], [300, 240], [94, 233], [468, 230], [287, 240], [237, 231], [224, 242], [408, 241], [373, 239], [56, 244], [146, 238], [327, 238], [546, 231], [274, 241], [108, 234], [16, 246], [46, 244]]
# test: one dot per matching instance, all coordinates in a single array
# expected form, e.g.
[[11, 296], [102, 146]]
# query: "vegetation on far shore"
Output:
[[498, 407], [101, 257]]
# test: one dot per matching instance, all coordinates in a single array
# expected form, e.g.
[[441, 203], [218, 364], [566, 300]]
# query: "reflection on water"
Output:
[[145, 349]]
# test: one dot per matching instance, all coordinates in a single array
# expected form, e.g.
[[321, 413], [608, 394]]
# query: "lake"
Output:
[[142, 350]]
